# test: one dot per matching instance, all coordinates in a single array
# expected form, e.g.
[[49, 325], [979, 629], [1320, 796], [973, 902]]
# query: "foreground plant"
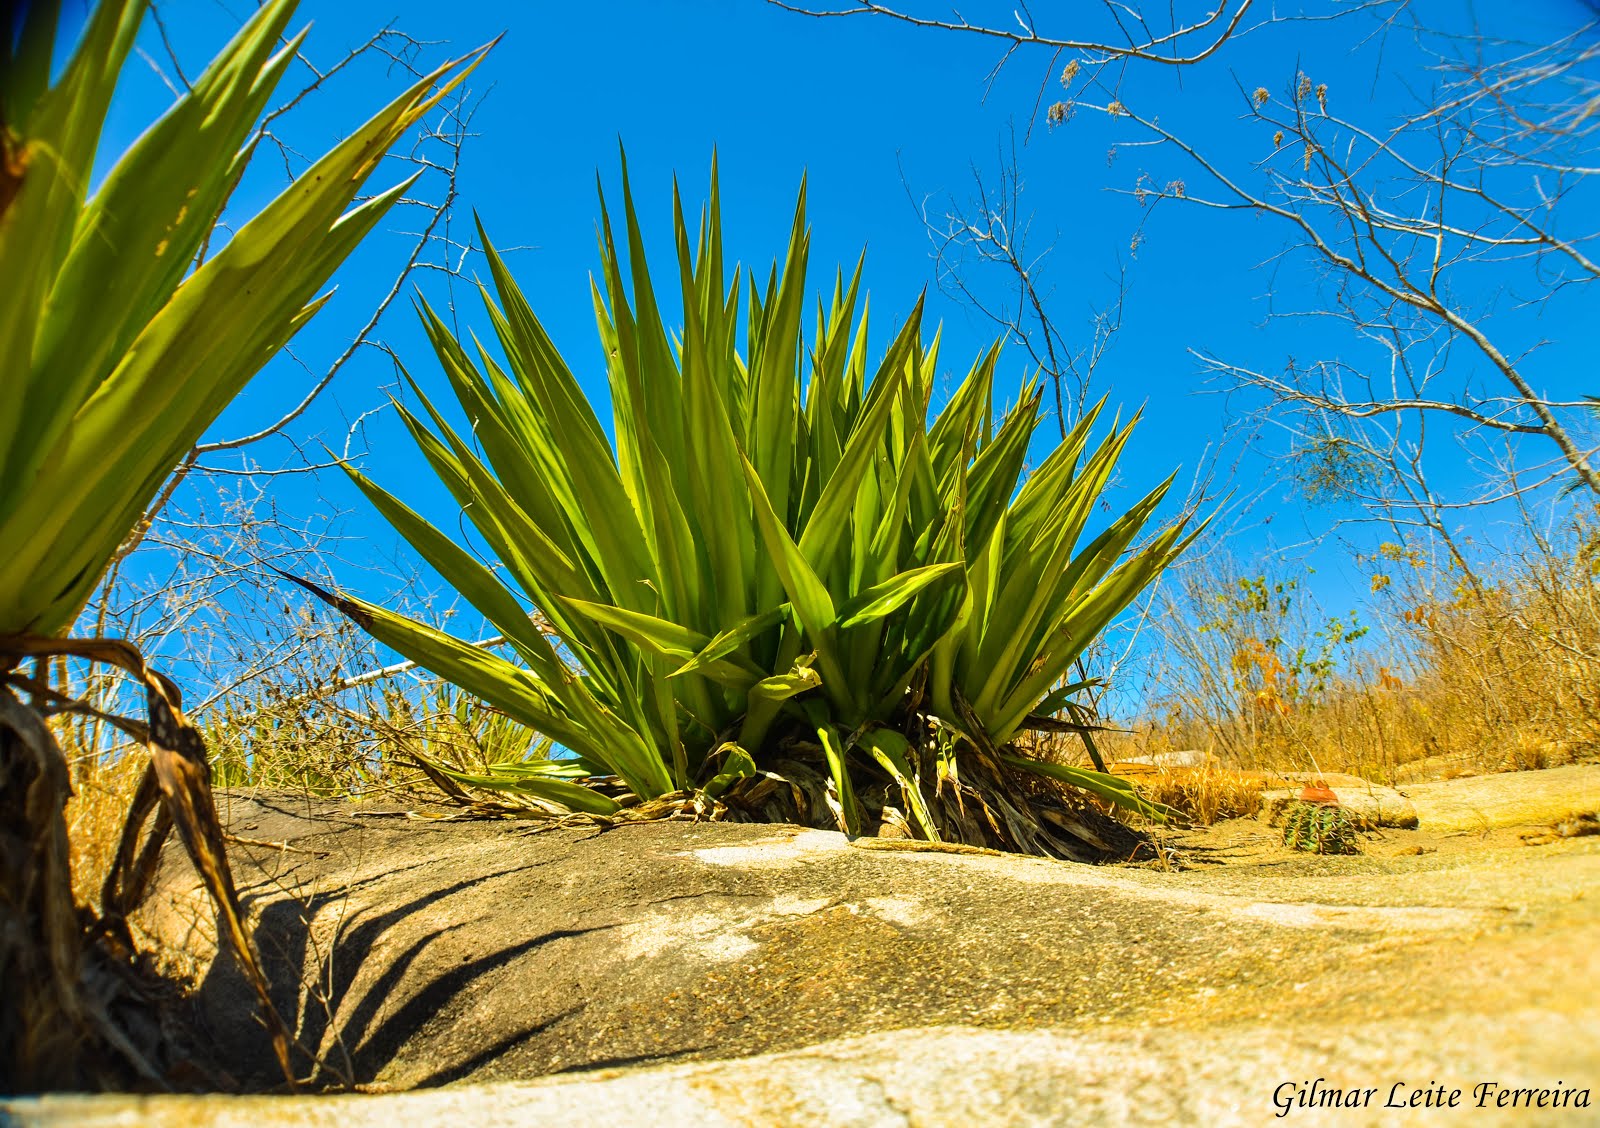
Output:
[[785, 592], [122, 342]]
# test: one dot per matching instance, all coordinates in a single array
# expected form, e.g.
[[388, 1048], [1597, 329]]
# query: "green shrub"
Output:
[[781, 563]]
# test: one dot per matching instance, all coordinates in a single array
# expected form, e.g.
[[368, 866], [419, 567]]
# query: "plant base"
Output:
[[991, 806], [77, 1012]]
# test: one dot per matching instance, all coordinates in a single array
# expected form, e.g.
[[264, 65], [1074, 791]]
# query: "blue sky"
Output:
[[878, 116]]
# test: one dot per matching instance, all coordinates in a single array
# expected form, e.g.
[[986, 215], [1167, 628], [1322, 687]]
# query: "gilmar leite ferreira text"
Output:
[[1293, 1095]]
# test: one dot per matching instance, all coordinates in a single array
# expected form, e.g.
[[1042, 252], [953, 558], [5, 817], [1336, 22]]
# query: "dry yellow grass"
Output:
[[1202, 794], [1477, 674], [1473, 674], [102, 791]]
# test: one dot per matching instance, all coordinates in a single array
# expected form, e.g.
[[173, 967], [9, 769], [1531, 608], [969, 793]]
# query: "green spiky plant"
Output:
[[783, 578], [120, 347], [1320, 828]]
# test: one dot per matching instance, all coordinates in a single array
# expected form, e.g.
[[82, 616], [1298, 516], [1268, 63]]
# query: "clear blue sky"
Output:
[[868, 109]]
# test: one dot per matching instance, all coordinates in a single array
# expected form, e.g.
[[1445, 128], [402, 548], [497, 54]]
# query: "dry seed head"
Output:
[[1302, 88], [1057, 113], [1277, 139], [1322, 97], [1116, 109], [1070, 73], [1262, 96]]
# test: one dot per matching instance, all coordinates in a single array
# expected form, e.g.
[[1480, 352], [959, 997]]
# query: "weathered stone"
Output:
[[1370, 805], [1489, 802], [1279, 780], [967, 988], [1250, 1075], [1184, 758]]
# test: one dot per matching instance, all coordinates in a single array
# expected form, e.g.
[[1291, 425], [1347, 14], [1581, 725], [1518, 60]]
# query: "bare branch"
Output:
[[1166, 48]]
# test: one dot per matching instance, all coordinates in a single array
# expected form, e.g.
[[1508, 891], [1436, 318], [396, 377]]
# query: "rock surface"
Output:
[[960, 1077], [1180, 758], [1369, 805], [414, 953], [1490, 802]]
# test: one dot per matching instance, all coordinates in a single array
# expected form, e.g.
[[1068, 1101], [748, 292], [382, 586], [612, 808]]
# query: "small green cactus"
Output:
[[1319, 828]]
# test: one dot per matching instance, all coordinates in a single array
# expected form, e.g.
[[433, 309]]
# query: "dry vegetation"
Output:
[[1462, 673], [327, 724]]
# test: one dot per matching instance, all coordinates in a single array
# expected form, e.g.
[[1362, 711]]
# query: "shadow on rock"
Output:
[[348, 1026]]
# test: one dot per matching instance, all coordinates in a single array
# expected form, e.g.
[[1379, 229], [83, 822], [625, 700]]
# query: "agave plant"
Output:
[[782, 561], [120, 348]]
